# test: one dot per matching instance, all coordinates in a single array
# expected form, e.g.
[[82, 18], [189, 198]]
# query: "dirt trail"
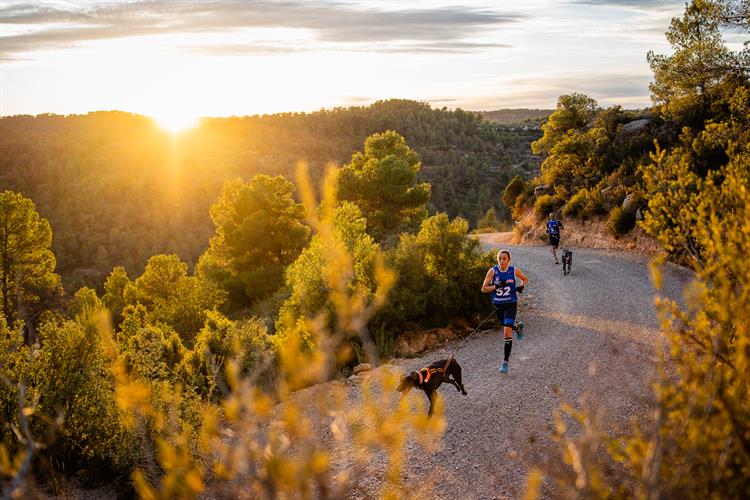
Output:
[[591, 334]]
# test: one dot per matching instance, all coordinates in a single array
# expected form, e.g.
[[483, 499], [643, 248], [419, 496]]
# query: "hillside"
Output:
[[117, 189], [518, 117]]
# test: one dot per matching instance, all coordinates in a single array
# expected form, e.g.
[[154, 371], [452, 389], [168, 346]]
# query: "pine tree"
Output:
[[27, 278], [259, 231], [382, 182], [489, 221], [688, 83]]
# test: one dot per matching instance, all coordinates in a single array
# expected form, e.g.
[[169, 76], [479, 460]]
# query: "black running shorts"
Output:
[[554, 240], [506, 313]]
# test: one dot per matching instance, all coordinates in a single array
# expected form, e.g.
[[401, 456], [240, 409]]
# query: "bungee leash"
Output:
[[465, 339]]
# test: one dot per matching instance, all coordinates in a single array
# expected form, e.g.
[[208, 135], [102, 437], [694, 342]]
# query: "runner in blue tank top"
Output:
[[553, 230], [501, 282]]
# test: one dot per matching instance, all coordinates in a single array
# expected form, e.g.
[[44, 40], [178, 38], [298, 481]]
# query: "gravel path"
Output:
[[591, 334]]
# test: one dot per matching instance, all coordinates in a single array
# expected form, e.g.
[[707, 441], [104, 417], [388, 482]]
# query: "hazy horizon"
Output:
[[181, 60], [433, 106]]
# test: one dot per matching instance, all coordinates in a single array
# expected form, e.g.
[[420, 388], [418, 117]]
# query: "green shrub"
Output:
[[620, 221], [114, 292], [247, 342], [489, 221], [174, 298], [544, 205], [151, 353], [308, 276], [14, 361], [575, 206], [71, 373], [515, 187], [584, 203], [84, 302], [439, 270]]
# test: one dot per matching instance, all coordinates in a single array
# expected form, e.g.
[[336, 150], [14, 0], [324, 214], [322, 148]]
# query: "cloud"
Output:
[[35, 14], [242, 49], [604, 84], [456, 47], [643, 4], [426, 47], [652, 17], [627, 89], [331, 22]]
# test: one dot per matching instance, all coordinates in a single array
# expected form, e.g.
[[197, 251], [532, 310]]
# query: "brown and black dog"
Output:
[[429, 379], [567, 260]]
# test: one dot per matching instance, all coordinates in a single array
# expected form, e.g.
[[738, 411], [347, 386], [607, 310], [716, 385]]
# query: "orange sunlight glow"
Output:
[[175, 121]]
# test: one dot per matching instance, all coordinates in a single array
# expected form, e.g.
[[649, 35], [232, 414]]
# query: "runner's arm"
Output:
[[487, 287], [524, 279]]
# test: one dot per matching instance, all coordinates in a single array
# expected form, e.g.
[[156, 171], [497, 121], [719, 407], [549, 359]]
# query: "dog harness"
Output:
[[425, 373]]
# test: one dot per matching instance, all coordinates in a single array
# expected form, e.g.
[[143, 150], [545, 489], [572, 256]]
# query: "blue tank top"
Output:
[[506, 285], [553, 227]]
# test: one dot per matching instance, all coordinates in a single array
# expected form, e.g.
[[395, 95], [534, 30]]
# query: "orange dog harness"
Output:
[[426, 373]]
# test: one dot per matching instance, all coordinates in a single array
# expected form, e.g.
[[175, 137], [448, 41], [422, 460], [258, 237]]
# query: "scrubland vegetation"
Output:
[[172, 382], [179, 380], [686, 168]]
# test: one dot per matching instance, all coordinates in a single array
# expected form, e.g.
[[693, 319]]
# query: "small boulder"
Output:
[[444, 334], [627, 203], [541, 189], [409, 344], [362, 367]]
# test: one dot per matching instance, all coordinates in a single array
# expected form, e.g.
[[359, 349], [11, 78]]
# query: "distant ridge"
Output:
[[519, 116]]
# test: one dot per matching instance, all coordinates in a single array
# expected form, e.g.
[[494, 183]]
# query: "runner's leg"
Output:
[[509, 319]]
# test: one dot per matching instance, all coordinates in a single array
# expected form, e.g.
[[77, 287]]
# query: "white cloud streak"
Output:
[[425, 30]]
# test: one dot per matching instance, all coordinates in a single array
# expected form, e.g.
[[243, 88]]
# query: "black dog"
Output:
[[567, 260], [429, 379]]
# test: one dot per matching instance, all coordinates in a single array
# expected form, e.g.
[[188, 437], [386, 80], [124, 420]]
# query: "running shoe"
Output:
[[519, 330], [504, 367]]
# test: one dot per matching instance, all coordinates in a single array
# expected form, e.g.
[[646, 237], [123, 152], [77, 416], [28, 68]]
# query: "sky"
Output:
[[180, 59]]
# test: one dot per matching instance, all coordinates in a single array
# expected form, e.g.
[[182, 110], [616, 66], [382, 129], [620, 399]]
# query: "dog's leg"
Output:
[[457, 377], [431, 396], [452, 382]]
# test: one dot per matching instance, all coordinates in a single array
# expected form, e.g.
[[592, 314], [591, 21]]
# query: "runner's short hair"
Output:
[[503, 251]]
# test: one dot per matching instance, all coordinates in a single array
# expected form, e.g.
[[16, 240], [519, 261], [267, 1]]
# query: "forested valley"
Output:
[[117, 189]]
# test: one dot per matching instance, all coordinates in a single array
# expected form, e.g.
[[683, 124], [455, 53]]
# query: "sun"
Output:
[[175, 121]]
